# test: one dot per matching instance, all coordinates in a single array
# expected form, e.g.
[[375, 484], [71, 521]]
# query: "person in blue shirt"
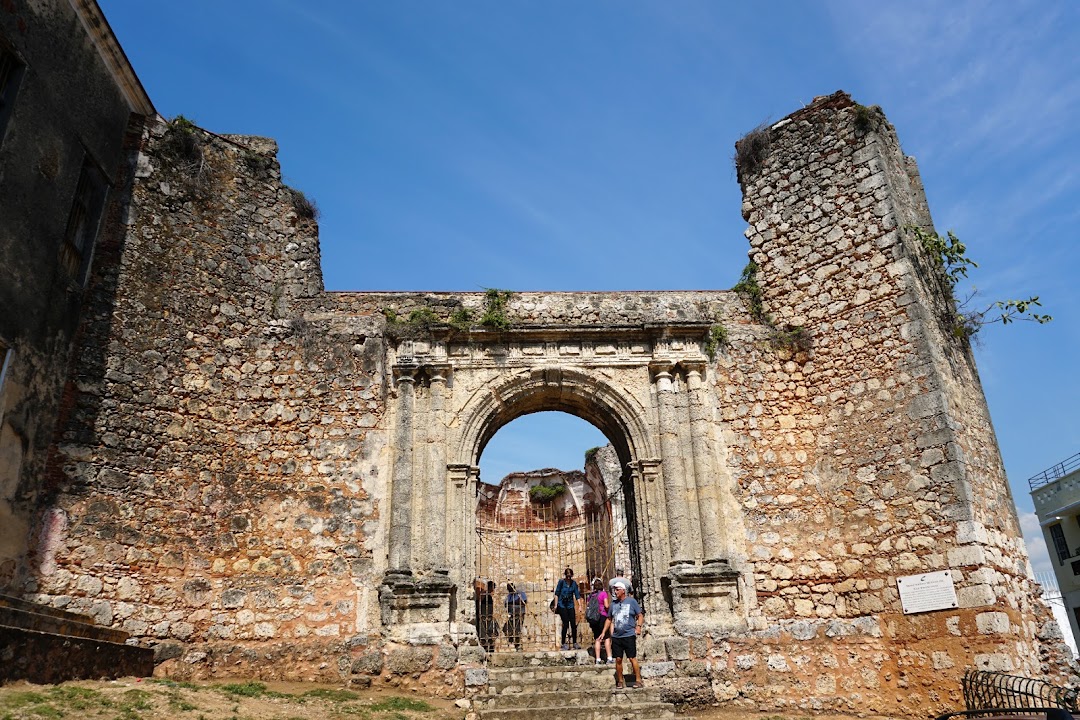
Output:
[[567, 597], [625, 619]]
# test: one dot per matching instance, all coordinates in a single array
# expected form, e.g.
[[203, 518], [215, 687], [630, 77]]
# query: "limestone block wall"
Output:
[[870, 455], [207, 491]]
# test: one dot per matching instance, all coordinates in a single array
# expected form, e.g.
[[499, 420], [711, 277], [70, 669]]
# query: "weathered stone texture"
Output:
[[261, 473]]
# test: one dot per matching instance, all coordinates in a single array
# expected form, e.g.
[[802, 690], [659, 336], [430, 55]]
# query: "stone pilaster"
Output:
[[437, 475], [679, 532], [712, 530], [401, 494]]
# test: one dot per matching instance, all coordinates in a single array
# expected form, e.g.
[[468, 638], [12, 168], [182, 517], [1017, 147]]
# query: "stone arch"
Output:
[[574, 392]]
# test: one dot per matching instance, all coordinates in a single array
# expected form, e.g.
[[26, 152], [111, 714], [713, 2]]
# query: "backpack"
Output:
[[592, 608]]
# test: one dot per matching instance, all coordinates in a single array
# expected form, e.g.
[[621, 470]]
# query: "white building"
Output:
[[1056, 495]]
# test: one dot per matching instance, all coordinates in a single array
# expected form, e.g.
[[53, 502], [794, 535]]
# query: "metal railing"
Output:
[[998, 691], [1055, 472]]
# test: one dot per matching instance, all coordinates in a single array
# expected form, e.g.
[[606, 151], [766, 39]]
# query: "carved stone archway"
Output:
[[644, 387]]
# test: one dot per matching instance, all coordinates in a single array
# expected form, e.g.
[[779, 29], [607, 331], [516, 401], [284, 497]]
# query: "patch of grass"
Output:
[[22, 699], [332, 694], [401, 703], [590, 453], [249, 689], [175, 683]]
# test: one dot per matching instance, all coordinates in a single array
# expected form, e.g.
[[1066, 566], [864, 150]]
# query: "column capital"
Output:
[[438, 372], [405, 372]]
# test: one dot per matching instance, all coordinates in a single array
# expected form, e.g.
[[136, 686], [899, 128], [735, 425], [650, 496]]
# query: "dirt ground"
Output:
[[155, 699]]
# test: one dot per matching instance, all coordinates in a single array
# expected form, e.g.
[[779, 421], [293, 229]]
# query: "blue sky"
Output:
[[587, 146]]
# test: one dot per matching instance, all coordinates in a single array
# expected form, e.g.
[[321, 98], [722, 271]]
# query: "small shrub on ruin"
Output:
[[793, 338], [546, 493], [183, 148], [495, 317], [751, 151], [305, 207], [716, 339], [866, 118], [461, 319], [749, 288]]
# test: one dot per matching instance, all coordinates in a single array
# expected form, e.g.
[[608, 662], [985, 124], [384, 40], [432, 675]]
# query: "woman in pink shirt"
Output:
[[596, 613]]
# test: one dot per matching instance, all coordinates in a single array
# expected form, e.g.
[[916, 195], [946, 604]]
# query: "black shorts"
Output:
[[597, 627], [624, 646]]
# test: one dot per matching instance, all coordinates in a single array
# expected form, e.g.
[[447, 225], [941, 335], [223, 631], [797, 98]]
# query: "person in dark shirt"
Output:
[[567, 597]]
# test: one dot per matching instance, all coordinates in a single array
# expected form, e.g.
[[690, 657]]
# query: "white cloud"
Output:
[[1036, 546]]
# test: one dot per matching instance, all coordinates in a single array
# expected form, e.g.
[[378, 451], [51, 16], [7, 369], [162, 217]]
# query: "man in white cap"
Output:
[[625, 620]]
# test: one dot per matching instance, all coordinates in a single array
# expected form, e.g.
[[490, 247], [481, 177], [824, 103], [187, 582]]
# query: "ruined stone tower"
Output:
[[261, 477]]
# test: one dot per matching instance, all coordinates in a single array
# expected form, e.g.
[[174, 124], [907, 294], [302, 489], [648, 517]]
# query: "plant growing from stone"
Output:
[[949, 255], [494, 316], [716, 339], [751, 151], [546, 493]]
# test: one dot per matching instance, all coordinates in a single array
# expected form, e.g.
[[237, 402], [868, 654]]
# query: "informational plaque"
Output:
[[927, 592]]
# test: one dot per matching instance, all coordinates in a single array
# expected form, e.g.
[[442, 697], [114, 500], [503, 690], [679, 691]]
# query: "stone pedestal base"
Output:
[[706, 599], [416, 610]]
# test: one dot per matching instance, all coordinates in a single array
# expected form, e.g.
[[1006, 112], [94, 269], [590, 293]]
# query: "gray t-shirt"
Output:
[[624, 617]]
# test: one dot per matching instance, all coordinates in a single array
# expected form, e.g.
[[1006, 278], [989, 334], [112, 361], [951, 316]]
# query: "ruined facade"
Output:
[[257, 476]]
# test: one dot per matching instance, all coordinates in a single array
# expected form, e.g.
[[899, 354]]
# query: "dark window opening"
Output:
[[10, 74], [83, 222], [1060, 547]]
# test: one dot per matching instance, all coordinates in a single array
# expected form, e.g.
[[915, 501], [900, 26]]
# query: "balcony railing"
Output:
[[1055, 472]]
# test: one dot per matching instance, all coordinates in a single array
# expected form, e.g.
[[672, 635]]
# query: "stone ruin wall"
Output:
[[222, 482]]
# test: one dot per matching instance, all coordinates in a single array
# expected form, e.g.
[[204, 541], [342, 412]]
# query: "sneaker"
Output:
[[564, 647], [611, 661], [599, 662], [576, 646]]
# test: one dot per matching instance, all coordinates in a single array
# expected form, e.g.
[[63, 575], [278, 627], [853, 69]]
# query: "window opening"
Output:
[[11, 71], [1058, 536], [83, 222]]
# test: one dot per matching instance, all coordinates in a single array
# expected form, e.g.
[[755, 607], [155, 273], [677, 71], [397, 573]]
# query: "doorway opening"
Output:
[[535, 518]]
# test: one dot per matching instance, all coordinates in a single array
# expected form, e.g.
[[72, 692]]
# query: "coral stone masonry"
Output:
[[258, 477]]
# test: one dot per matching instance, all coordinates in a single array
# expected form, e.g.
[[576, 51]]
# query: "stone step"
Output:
[[539, 659], [608, 697], [627, 709], [35, 617], [565, 681]]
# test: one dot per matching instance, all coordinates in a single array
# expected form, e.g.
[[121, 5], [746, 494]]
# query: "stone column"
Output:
[[437, 476], [678, 530], [401, 493], [712, 531]]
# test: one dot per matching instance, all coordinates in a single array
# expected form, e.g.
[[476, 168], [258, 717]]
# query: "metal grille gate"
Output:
[[530, 548]]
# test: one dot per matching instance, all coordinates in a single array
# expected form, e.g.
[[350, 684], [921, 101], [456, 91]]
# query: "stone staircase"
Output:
[[526, 686], [41, 644]]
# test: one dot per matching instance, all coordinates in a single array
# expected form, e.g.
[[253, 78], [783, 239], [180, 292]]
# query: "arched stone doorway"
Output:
[[643, 387]]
